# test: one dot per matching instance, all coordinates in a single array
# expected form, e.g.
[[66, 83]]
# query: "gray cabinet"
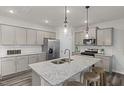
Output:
[[33, 59], [31, 37], [20, 36], [21, 63], [0, 68], [40, 36], [41, 57], [104, 36], [7, 34], [106, 62], [8, 66], [52, 35]]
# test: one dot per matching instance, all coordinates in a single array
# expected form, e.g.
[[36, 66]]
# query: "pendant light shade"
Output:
[[65, 21], [87, 24]]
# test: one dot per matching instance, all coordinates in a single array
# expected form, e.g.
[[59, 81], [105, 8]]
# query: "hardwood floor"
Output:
[[25, 79]]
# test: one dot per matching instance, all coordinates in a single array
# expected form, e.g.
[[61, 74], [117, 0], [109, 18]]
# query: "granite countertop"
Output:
[[58, 73], [24, 54]]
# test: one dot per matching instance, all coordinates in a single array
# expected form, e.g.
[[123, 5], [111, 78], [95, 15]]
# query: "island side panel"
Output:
[[38, 81]]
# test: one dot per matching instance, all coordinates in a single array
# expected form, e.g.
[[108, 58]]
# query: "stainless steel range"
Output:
[[52, 48]]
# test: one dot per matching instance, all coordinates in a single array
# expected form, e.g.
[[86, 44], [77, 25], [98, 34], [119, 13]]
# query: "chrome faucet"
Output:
[[69, 54]]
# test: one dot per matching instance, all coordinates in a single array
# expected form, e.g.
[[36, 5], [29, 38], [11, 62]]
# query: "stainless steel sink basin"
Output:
[[66, 59], [61, 61]]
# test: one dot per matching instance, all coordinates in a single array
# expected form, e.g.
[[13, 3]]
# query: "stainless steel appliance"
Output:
[[90, 52], [89, 41], [52, 48]]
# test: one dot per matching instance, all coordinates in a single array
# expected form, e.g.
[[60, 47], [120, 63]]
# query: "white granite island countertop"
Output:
[[55, 74]]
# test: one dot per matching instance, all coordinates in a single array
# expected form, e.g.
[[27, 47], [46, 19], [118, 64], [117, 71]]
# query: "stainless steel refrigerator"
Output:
[[52, 48]]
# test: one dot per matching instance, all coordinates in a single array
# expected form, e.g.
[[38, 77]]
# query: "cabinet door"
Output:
[[31, 37], [108, 37], [40, 37], [100, 37], [8, 66], [46, 35], [21, 63], [8, 34], [33, 59], [41, 57], [52, 35], [105, 63], [0, 35], [0, 68], [104, 37], [76, 38], [20, 36]]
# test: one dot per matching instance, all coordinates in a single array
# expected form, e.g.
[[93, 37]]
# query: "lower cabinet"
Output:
[[8, 66], [32, 59], [11, 65], [106, 63], [21, 63], [41, 57]]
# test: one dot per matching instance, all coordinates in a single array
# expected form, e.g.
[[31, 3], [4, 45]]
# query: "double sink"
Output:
[[61, 61]]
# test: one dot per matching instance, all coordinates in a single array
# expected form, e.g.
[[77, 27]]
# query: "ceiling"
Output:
[[55, 14]]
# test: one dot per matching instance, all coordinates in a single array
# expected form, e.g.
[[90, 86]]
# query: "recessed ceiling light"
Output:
[[85, 21], [68, 11], [46, 21], [11, 11]]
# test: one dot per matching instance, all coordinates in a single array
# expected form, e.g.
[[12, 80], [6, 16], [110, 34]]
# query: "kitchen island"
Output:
[[47, 73]]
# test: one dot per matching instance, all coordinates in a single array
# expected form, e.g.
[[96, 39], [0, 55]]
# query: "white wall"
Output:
[[118, 47], [65, 40], [25, 49]]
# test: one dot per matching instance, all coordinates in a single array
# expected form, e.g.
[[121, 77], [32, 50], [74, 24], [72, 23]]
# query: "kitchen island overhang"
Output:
[[48, 73]]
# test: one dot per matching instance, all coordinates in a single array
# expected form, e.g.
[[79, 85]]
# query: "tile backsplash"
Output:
[[24, 49]]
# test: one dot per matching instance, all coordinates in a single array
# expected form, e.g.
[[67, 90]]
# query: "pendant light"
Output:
[[65, 21], [87, 24]]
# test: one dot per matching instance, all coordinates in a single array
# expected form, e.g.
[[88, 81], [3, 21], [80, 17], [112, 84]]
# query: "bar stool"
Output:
[[101, 72], [91, 78], [72, 83]]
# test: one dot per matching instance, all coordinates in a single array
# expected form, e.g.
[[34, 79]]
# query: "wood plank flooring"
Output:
[[25, 79]]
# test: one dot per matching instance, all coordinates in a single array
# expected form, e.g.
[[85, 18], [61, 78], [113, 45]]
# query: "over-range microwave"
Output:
[[89, 41]]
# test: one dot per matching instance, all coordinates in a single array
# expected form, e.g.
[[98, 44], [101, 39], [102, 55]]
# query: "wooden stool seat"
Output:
[[91, 77], [98, 70], [72, 83], [101, 72]]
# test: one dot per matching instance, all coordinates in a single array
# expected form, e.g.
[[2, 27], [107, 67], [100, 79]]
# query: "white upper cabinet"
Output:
[[40, 36], [31, 37], [104, 37], [7, 34], [20, 36], [52, 35], [100, 37], [46, 35], [108, 37]]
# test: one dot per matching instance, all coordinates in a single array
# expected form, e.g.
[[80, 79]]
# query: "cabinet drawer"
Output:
[[8, 59]]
